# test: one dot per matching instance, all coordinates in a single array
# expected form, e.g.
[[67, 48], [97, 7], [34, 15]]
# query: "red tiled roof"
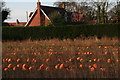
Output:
[[23, 22], [14, 23]]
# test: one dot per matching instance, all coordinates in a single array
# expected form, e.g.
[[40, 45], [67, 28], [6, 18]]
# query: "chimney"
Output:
[[38, 4], [17, 22], [30, 14], [27, 15], [38, 11]]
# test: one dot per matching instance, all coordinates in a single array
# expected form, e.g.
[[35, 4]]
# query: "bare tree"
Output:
[[92, 9], [69, 5], [117, 8], [101, 7], [86, 9], [114, 12]]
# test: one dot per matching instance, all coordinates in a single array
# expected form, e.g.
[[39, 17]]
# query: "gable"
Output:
[[36, 17]]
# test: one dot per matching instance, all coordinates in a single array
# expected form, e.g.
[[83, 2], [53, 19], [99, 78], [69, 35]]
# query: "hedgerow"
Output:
[[60, 32]]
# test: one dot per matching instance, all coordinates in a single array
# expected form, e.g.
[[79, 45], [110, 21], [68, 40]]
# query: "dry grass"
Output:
[[78, 58]]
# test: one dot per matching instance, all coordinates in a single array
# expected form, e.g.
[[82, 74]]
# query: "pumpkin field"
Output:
[[78, 58]]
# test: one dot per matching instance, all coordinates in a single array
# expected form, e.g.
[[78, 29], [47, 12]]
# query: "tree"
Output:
[[92, 9], [114, 13], [86, 9], [4, 11], [69, 5], [117, 11], [56, 18], [101, 7]]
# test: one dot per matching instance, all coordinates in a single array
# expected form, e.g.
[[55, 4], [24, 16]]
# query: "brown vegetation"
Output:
[[89, 58]]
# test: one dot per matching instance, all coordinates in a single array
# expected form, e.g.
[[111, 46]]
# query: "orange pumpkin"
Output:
[[80, 65], [10, 66], [14, 68], [42, 66], [38, 53], [6, 59], [89, 66], [88, 52], [57, 66], [109, 60], [92, 68], [5, 69], [61, 66], [25, 66], [105, 52], [30, 68], [78, 58], [47, 69], [18, 60], [47, 60], [34, 60], [90, 60], [19, 65], [28, 60], [9, 60], [102, 69], [70, 59], [58, 59], [94, 59], [98, 60], [81, 59], [95, 65], [117, 60], [3, 60]]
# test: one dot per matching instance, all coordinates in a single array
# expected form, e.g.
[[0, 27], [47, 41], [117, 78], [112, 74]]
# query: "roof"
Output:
[[46, 10], [14, 23]]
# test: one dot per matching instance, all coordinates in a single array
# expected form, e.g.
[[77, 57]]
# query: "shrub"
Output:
[[60, 32]]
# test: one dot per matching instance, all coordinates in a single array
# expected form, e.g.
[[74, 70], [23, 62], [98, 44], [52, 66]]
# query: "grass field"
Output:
[[78, 58]]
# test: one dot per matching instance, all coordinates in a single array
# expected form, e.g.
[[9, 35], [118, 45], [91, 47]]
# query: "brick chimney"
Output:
[[38, 4], [38, 11]]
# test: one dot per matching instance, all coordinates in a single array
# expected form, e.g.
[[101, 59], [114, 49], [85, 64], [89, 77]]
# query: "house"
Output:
[[47, 15], [17, 23], [42, 15]]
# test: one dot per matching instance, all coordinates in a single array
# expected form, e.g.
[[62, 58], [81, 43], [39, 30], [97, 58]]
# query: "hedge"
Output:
[[60, 32]]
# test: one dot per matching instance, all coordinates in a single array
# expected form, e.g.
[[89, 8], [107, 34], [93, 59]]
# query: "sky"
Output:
[[20, 7]]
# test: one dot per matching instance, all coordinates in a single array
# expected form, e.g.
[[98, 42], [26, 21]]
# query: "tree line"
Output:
[[99, 10]]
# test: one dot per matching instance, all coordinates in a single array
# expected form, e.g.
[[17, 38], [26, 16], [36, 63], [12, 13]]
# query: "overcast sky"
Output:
[[19, 7]]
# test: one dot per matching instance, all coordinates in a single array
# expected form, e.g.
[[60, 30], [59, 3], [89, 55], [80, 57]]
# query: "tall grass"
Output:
[[67, 51]]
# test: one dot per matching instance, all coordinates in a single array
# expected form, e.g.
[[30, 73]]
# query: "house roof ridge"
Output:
[[51, 7], [45, 14]]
